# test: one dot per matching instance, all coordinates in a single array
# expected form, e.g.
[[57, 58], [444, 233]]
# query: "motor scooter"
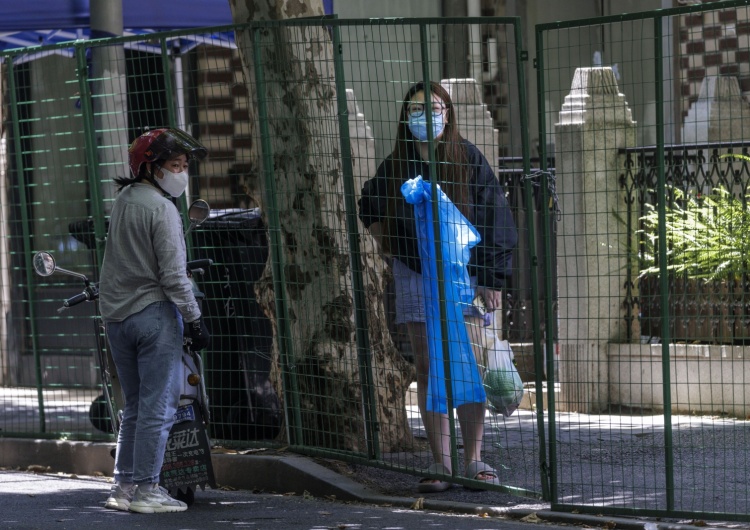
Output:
[[187, 459]]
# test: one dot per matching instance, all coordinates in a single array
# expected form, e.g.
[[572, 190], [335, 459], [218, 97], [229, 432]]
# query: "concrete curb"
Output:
[[286, 474], [80, 458]]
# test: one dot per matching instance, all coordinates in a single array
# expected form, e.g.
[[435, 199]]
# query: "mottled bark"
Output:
[[307, 174]]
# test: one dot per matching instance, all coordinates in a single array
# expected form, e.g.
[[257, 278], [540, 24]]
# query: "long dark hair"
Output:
[[143, 174], [124, 182], [451, 158]]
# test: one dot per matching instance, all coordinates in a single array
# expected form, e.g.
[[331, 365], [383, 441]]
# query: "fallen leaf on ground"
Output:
[[223, 451]]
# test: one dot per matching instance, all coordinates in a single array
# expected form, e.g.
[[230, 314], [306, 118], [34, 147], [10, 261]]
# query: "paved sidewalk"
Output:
[[610, 460], [31, 501], [291, 491]]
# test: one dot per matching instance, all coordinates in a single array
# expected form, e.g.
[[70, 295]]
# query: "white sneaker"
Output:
[[120, 497], [148, 499]]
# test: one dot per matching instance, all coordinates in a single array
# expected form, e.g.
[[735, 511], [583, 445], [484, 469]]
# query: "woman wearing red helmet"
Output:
[[146, 301]]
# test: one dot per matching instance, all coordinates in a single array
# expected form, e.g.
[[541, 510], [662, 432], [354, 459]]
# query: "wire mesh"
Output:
[[641, 115], [305, 348], [379, 63], [651, 377]]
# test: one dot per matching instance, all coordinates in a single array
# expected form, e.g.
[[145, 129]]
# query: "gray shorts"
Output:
[[410, 298]]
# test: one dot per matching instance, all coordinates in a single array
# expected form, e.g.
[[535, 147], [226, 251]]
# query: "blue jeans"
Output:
[[147, 350]]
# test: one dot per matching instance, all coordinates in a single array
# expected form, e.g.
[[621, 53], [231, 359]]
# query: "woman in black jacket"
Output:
[[467, 178]]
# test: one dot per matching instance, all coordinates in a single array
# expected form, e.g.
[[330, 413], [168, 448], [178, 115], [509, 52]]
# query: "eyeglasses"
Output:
[[417, 109]]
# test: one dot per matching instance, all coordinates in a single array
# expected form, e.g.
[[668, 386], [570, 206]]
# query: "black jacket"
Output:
[[491, 259]]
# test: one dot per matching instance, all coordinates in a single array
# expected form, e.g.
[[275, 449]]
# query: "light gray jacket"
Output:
[[145, 258]]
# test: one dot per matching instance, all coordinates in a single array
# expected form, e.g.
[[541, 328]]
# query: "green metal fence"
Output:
[[305, 350], [632, 110], [645, 112], [347, 376]]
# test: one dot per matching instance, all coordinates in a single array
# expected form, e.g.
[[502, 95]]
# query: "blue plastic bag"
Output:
[[457, 236]]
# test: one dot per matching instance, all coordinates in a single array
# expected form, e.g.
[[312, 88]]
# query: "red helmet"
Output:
[[162, 144]]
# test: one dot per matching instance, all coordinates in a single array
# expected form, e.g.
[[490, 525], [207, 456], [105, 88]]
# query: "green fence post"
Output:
[[172, 117], [663, 273], [22, 191], [546, 468], [90, 147], [284, 342], [424, 44], [360, 305]]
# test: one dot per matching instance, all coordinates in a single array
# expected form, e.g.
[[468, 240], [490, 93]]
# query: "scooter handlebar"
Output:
[[199, 264], [77, 299], [92, 293]]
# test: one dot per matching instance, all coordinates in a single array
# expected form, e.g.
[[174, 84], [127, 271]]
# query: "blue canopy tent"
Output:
[[55, 21], [74, 14], [52, 21]]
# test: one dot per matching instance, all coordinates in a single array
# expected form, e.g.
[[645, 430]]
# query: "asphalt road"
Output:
[[64, 502]]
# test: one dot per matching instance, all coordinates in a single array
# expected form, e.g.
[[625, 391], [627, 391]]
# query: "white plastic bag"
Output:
[[502, 382]]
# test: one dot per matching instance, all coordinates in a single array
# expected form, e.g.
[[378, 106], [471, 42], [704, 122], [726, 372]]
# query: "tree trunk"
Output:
[[303, 129]]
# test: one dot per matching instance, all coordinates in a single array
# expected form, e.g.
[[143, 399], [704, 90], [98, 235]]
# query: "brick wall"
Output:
[[222, 104], [713, 43]]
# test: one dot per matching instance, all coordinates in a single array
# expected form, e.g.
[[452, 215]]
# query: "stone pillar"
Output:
[[595, 122], [474, 120], [719, 115], [364, 166], [362, 142]]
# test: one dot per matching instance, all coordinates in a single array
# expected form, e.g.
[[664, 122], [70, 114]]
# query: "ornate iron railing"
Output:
[[517, 319], [707, 311]]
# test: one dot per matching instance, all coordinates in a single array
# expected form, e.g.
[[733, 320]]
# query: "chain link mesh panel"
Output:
[[300, 301], [644, 116]]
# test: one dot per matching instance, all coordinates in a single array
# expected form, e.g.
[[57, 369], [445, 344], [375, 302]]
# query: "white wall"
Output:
[[704, 379]]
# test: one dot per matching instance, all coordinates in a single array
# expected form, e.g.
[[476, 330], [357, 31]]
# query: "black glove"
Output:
[[199, 335]]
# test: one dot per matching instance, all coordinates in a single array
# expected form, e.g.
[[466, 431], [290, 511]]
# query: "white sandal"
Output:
[[475, 469], [432, 485]]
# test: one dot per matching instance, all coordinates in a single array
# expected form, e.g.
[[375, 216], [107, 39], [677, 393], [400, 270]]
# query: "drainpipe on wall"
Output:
[[474, 9], [179, 87], [492, 65]]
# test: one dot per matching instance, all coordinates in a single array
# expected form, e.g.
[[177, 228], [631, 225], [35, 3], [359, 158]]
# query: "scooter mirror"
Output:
[[44, 263], [198, 212]]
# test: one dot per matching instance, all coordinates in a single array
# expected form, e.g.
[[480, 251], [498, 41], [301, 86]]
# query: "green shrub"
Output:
[[708, 237]]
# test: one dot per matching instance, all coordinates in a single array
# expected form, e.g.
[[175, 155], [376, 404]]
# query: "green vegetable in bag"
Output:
[[502, 382]]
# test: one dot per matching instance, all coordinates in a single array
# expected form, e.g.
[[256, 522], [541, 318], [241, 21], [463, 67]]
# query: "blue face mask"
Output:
[[418, 126]]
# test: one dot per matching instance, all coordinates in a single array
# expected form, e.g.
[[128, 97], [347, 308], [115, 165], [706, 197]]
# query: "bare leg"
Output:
[[470, 416], [435, 424], [471, 419]]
